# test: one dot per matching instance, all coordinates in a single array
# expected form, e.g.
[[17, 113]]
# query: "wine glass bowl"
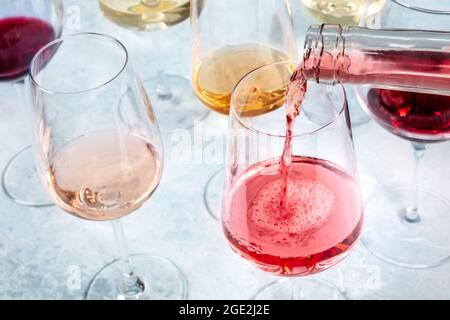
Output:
[[145, 14], [98, 164], [25, 27], [345, 12], [260, 34], [323, 212], [417, 117]]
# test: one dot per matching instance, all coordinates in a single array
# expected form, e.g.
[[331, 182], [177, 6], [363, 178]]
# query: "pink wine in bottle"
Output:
[[335, 54], [411, 87]]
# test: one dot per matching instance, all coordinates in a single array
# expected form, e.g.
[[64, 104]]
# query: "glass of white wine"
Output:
[[96, 164], [344, 12], [232, 38], [175, 103]]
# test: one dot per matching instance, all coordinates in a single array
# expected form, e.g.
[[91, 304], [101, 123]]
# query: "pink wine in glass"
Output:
[[104, 175], [20, 39], [411, 115], [320, 221], [293, 215]]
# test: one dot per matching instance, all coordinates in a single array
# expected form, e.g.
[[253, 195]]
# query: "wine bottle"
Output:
[[411, 60]]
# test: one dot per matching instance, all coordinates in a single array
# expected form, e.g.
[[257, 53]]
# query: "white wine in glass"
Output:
[[145, 14], [175, 104], [216, 75], [346, 12]]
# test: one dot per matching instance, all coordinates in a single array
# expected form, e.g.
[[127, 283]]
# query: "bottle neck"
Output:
[[323, 52], [413, 60]]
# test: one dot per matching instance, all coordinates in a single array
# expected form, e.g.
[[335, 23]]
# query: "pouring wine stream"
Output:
[[294, 99]]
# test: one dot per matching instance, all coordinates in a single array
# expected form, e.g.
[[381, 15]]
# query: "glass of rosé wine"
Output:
[[96, 164], [409, 225], [292, 204]]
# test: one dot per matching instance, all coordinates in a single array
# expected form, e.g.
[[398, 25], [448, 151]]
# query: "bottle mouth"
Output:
[[431, 7], [320, 38]]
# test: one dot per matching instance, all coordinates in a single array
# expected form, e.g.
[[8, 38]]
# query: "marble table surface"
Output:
[[39, 248]]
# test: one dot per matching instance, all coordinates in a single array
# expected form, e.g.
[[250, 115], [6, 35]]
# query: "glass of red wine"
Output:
[[96, 164], [305, 221], [408, 226], [25, 27]]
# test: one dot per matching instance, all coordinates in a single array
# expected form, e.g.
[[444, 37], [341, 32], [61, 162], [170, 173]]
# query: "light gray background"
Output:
[[40, 248]]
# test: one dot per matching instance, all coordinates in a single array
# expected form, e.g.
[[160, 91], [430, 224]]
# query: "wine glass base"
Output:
[[212, 195], [309, 289], [179, 110], [21, 182], [396, 238], [162, 279]]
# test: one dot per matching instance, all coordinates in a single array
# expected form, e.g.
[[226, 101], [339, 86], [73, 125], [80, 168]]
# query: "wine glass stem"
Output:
[[297, 290], [131, 287], [19, 87], [163, 86], [412, 214]]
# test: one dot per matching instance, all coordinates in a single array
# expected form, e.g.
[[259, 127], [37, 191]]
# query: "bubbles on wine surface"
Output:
[[308, 205]]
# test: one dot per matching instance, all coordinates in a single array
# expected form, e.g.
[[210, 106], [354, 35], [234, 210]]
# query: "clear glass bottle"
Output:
[[412, 60]]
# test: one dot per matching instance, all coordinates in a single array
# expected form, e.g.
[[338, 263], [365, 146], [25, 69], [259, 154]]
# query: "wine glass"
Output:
[[175, 103], [25, 27], [231, 38], [412, 221], [97, 165], [323, 214]]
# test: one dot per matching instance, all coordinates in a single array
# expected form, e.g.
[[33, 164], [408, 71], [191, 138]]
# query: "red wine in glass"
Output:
[[415, 116], [20, 39]]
